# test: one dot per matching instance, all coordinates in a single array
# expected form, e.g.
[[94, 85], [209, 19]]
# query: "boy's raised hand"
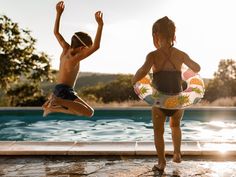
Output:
[[60, 7], [98, 17]]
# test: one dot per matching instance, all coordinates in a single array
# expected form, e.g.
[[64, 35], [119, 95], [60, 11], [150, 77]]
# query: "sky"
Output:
[[205, 29]]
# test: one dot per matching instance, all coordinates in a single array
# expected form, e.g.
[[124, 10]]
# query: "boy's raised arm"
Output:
[[98, 17], [96, 44], [60, 8]]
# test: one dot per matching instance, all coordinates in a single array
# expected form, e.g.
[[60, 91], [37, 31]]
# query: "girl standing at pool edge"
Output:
[[166, 62]]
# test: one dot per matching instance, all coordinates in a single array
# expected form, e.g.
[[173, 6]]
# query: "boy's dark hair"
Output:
[[81, 39], [166, 28]]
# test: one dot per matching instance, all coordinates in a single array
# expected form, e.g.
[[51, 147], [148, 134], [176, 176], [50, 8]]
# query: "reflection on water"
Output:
[[209, 131], [77, 130], [111, 130]]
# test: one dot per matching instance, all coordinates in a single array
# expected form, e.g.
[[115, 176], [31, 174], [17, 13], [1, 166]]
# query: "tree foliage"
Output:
[[224, 82], [20, 63]]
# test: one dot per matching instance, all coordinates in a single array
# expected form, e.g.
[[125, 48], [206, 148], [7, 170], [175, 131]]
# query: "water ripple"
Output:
[[110, 129]]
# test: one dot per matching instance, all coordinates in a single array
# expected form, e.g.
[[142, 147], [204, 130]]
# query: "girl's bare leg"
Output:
[[176, 134], [158, 119]]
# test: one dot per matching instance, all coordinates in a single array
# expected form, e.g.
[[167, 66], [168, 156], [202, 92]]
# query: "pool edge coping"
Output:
[[131, 148]]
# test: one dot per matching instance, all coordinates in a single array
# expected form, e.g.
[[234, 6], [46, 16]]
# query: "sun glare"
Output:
[[221, 147]]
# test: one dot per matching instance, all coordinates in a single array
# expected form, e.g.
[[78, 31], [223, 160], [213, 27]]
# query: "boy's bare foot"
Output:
[[45, 105], [48, 102], [177, 158], [51, 104], [52, 100], [46, 112]]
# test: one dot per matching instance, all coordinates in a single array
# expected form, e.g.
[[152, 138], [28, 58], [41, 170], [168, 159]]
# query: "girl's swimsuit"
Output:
[[168, 82]]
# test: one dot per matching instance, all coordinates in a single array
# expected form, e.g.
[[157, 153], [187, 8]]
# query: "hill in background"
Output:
[[90, 79], [85, 79]]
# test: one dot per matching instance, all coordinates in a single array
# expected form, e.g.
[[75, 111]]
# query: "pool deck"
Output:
[[113, 159], [113, 148]]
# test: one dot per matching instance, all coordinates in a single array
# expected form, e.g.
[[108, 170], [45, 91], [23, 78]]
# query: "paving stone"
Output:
[[113, 166]]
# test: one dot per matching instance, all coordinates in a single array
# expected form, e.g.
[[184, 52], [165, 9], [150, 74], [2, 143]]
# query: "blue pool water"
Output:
[[114, 125]]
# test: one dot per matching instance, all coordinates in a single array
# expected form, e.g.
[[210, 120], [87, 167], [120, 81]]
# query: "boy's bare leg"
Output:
[[54, 109], [78, 106], [158, 119], [176, 135], [90, 109]]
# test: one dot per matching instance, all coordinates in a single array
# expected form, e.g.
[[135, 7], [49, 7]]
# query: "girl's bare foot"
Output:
[[177, 158], [159, 167]]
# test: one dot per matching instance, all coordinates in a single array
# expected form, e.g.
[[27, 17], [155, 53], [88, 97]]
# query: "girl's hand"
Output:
[[60, 7], [98, 17]]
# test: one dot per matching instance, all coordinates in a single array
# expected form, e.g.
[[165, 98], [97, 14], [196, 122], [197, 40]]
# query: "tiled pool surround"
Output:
[[113, 148]]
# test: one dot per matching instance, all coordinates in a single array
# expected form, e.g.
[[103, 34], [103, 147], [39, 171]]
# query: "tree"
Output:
[[120, 90], [20, 63], [224, 82]]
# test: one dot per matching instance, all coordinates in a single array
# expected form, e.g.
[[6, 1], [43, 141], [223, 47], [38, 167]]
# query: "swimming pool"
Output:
[[114, 124]]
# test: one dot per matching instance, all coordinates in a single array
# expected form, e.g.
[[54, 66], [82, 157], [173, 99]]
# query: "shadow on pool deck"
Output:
[[112, 166]]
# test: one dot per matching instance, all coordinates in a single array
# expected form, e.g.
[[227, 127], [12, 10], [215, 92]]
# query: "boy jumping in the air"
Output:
[[64, 98]]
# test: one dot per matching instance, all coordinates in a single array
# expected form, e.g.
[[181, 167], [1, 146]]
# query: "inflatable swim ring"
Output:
[[192, 94]]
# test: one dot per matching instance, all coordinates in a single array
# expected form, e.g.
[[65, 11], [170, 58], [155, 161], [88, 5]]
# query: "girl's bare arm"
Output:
[[190, 63], [142, 72]]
